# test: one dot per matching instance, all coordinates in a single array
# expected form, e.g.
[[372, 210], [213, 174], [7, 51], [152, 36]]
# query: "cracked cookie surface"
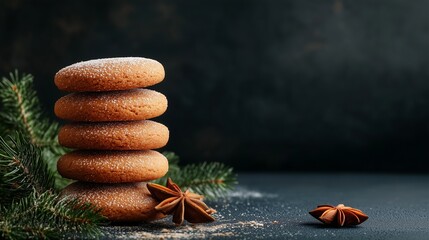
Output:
[[113, 166], [132, 135], [127, 105]]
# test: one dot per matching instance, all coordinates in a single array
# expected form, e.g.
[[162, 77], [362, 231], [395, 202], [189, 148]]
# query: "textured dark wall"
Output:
[[277, 85]]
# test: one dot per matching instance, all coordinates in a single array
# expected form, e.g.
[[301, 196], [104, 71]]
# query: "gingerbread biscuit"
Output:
[[109, 74], [133, 135], [113, 166], [121, 202], [127, 105]]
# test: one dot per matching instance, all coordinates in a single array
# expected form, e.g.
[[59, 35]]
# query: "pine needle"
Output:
[[22, 169], [213, 180], [173, 167], [21, 111], [49, 216]]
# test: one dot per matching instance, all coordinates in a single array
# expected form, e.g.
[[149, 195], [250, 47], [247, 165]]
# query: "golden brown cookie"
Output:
[[113, 166], [133, 135], [109, 74], [120, 202], [135, 104]]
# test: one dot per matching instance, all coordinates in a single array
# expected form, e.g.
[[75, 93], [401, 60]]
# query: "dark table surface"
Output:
[[275, 206]]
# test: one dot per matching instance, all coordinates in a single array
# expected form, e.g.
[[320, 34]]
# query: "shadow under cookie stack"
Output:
[[112, 138]]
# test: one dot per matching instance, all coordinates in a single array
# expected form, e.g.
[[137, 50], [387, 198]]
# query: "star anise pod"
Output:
[[182, 205], [339, 216]]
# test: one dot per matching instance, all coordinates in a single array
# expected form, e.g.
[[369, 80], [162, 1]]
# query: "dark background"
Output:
[[260, 85]]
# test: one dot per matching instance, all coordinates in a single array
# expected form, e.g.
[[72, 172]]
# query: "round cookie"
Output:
[[121, 202], [133, 135], [127, 105], [113, 166], [109, 74]]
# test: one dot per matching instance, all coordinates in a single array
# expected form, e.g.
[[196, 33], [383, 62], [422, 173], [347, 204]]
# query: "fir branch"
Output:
[[49, 216], [173, 167], [21, 111], [3, 128], [213, 180], [22, 169]]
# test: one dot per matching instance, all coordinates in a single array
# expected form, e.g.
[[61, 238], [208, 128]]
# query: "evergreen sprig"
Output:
[[21, 111], [51, 217], [23, 171], [173, 166], [29, 204], [213, 180]]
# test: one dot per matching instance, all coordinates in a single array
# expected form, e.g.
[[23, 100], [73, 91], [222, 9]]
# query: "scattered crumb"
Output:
[[193, 231], [229, 221], [253, 224], [223, 234], [241, 192]]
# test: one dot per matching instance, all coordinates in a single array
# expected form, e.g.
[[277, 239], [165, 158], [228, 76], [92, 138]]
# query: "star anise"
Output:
[[339, 216], [182, 205]]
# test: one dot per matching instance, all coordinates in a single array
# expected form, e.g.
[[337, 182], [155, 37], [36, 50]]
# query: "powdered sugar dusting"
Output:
[[109, 67], [113, 166], [106, 65], [242, 192], [162, 230], [132, 135], [108, 74], [120, 201], [134, 104]]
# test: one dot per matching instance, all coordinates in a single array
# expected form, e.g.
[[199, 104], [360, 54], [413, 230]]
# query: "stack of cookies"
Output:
[[112, 138]]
